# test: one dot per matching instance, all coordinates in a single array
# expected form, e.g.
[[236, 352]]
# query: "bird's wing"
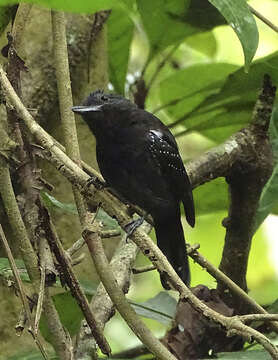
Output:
[[164, 150]]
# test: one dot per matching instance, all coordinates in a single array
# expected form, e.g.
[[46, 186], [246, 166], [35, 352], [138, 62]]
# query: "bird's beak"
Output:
[[84, 109]]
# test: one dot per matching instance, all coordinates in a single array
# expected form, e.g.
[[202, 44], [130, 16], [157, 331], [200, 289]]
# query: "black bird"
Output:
[[139, 158]]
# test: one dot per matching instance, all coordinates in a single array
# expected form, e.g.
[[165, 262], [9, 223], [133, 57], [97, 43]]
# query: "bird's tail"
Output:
[[170, 240]]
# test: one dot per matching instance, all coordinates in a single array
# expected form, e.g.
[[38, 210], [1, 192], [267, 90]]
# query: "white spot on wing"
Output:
[[158, 133]]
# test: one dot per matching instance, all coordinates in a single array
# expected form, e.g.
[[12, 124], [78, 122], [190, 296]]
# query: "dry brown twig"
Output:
[[22, 293]]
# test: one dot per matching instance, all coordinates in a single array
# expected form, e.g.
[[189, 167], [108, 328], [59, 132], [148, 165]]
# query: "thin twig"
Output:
[[31, 187], [76, 290], [106, 234], [22, 292], [258, 317], [143, 269], [132, 353], [29, 257], [77, 260], [40, 300], [263, 18], [76, 246], [20, 325], [11, 208], [234, 288]]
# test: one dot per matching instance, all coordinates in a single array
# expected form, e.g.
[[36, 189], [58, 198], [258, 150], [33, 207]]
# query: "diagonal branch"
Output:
[[22, 293], [109, 281], [74, 285], [101, 303]]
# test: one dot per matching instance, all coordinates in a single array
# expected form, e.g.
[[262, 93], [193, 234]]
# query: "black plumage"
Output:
[[139, 158]]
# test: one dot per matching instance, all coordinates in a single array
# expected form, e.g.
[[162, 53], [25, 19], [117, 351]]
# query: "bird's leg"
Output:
[[133, 225], [98, 184]]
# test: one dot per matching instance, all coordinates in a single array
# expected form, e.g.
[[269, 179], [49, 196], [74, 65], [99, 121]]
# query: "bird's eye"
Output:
[[104, 98]]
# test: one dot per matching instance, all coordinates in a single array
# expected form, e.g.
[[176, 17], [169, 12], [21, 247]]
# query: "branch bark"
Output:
[[109, 281], [65, 99], [101, 304], [246, 179]]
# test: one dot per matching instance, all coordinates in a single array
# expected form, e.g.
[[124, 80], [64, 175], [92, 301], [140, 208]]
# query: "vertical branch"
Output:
[[247, 177], [60, 342], [17, 224], [30, 187], [65, 99]]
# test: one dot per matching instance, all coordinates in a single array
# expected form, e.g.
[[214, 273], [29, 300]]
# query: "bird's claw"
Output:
[[98, 184], [132, 226]]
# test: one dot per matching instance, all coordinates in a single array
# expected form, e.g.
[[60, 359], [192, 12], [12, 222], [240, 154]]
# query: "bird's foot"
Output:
[[132, 226], [98, 184]]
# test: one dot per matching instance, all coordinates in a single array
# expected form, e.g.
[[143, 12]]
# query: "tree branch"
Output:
[[76, 290], [250, 303], [101, 303], [30, 197], [246, 179], [65, 99], [109, 281], [22, 293]]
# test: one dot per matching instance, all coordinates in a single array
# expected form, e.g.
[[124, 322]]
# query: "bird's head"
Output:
[[102, 111], [99, 103]]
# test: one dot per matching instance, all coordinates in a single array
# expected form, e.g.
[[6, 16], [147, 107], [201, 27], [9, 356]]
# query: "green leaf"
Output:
[[162, 23], [6, 271], [211, 197], [185, 93], [217, 125], [88, 287], [231, 104], [240, 18], [120, 33], [69, 314], [204, 42], [107, 220], [51, 201], [161, 308], [269, 196], [203, 15]]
